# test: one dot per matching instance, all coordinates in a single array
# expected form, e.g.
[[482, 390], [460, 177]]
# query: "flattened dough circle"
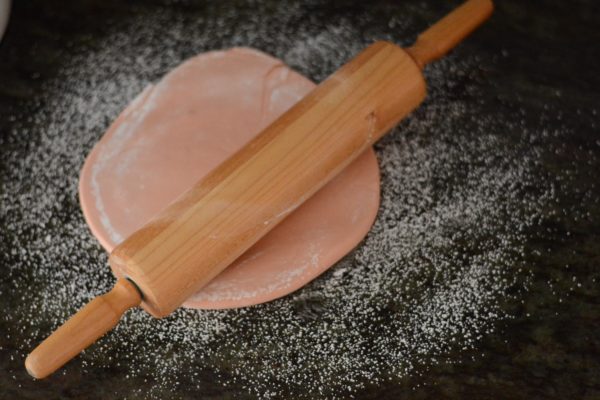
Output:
[[176, 131]]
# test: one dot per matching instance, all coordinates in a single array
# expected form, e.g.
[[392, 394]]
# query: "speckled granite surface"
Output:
[[532, 68]]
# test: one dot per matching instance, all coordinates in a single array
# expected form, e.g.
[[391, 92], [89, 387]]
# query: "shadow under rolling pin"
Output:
[[175, 254]]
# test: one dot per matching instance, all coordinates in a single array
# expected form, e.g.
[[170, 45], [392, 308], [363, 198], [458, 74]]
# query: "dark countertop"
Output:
[[532, 76]]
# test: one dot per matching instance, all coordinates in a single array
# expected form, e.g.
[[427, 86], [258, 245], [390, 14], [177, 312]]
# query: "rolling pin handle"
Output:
[[445, 34], [82, 329]]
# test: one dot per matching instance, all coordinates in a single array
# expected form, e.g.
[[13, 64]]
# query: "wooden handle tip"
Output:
[[445, 34], [32, 365]]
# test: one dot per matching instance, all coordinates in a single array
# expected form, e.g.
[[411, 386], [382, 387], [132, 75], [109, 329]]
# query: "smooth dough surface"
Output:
[[176, 131]]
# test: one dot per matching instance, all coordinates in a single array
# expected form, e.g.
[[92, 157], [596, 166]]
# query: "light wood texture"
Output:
[[236, 204], [201, 233], [81, 330], [445, 34]]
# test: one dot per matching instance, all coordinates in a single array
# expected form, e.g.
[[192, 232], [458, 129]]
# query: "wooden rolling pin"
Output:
[[224, 214]]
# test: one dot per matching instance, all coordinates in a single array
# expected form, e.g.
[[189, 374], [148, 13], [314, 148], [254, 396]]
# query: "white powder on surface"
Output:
[[443, 257]]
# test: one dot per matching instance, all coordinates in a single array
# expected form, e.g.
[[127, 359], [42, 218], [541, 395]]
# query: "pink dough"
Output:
[[176, 131]]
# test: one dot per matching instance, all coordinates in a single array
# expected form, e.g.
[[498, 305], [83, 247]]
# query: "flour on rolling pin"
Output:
[[196, 117], [173, 256]]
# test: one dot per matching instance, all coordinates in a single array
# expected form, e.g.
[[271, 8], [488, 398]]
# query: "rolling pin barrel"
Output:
[[240, 201], [224, 214]]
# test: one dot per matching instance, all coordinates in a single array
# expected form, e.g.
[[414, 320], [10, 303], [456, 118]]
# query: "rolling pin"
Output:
[[225, 213]]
